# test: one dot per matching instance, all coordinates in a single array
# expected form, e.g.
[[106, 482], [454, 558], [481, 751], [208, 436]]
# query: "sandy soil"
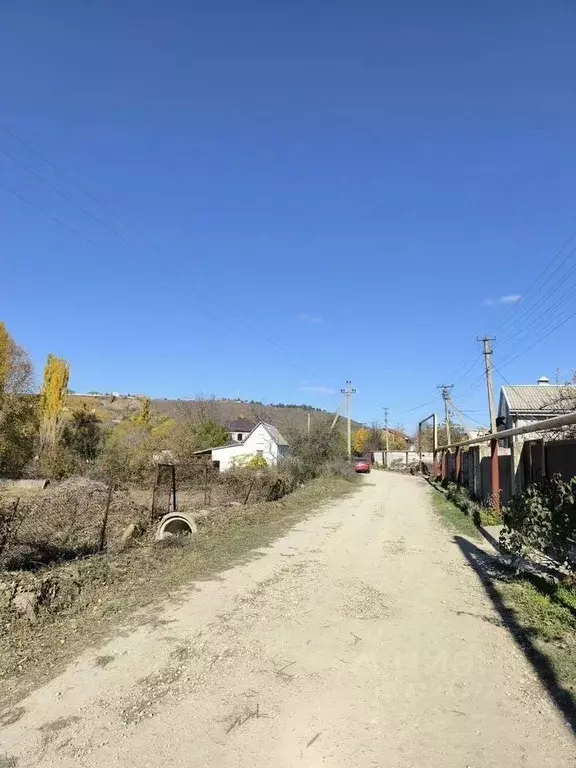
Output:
[[362, 638]]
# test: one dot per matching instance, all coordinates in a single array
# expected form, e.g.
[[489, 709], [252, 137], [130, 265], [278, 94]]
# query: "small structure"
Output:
[[239, 429], [523, 404], [264, 440]]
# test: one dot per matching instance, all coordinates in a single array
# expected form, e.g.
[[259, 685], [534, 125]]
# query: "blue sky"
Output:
[[309, 192]]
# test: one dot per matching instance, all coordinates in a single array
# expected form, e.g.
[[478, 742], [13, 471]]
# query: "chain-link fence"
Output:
[[76, 518]]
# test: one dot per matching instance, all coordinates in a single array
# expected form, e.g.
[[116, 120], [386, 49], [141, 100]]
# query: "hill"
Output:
[[112, 409]]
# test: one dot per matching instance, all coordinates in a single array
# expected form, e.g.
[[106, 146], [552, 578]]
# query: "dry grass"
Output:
[[116, 589]]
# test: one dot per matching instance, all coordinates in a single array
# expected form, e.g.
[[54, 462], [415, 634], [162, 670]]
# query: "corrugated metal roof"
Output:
[[275, 434], [551, 398]]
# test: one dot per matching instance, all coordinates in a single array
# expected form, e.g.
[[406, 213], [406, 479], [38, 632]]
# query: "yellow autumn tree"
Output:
[[143, 414], [359, 440], [52, 399]]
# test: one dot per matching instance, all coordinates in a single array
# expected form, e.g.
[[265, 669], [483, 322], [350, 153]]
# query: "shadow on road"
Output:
[[489, 570]]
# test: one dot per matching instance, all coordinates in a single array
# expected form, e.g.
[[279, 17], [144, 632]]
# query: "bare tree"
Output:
[[203, 408]]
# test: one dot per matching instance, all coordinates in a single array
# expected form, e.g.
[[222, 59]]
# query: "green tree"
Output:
[[457, 434], [83, 434], [209, 434], [18, 415], [311, 451]]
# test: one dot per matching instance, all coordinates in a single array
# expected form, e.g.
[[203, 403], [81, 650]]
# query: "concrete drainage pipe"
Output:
[[176, 524]]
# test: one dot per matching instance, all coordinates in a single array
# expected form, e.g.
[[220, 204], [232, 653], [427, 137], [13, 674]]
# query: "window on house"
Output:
[[239, 437]]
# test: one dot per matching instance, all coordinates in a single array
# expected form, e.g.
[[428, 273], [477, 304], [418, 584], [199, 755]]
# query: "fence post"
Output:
[[457, 466], [516, 469], [173, 478], [102, 541], [495, 475], [442, 465]]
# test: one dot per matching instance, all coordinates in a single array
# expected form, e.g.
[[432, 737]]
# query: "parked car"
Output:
[[362, 464]]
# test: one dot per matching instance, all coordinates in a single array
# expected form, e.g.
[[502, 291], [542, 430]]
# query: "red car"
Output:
[[362, 465]]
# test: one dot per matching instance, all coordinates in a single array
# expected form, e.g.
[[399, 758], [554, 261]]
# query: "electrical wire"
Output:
[[470, 418], [501, 321], [118, 234], [554, 328], [522, 327], [422, 405], [164, 288]]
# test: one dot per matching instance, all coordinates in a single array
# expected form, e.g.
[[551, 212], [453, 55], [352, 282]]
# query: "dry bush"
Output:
[[66, 521], [247, 485]]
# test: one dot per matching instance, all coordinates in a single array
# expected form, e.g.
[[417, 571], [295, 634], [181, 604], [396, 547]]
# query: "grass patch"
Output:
[[546, 613], [452, 516], [122, 585]]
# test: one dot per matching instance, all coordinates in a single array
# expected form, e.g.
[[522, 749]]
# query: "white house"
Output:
[[239, 429], [264, 440]]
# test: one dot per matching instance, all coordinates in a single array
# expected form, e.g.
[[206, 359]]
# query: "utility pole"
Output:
[[446, 397], [386, 437], [487, 352], [348, 392]]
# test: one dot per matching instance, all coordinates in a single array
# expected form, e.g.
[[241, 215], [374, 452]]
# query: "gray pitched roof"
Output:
[[240, 425], [275, 434], [533, 398]]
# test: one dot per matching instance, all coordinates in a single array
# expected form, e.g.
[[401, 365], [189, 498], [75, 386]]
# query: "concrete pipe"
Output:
[[176, 524]]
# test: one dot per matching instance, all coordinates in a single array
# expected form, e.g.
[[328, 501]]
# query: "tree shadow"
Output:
[[489, 570]]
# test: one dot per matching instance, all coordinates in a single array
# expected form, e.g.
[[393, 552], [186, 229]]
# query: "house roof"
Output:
[[274, 434], [272, 431], [534, 398], [240, 425]]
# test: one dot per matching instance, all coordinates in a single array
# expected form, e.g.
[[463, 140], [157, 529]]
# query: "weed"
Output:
[[141, 577], [452, 516]]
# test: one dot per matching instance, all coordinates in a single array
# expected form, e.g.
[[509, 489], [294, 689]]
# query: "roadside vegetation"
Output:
[[81, 556], [535, 597]]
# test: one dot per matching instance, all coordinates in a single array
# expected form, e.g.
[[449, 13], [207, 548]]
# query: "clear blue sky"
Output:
[[359, 183]]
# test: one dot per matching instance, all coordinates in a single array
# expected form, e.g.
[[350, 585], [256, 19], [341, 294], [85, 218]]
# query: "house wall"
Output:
[[234, 435], [259, 440]]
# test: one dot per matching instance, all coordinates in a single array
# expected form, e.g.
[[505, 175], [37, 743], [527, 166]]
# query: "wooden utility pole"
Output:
[[386, 437], [348, 392], [446, 397], [487, 352]]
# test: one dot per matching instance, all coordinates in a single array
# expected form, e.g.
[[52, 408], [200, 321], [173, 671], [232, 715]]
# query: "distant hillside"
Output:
[[114, 408]]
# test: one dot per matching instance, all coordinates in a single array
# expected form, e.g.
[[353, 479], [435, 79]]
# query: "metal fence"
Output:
[[495, 473]]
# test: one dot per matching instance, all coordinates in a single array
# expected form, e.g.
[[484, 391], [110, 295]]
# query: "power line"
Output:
[[422, 405], [527, 292], [124, 239], [545, 336], [521, 327], [463, 415], [163, 287]]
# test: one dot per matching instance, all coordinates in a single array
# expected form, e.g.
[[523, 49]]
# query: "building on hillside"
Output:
[[264, 440], [239, 429], [523, 404]]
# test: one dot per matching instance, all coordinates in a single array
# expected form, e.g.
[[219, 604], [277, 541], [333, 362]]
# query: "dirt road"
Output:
[[362, 638]]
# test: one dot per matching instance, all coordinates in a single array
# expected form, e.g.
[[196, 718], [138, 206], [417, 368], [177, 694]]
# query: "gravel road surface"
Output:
[[362, 638]]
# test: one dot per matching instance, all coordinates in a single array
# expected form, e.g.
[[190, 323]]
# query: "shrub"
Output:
[[543, 517], [311, 451], [245, 484], [83, 434]]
